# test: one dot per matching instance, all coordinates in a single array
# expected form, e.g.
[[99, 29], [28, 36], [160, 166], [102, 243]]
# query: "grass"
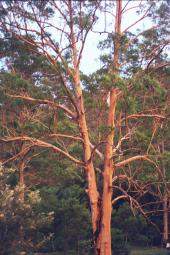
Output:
[[135, 251], [151, 251]]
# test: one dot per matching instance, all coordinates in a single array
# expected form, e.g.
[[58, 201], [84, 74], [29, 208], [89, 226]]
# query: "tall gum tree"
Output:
[[34, 23], [105, 236]]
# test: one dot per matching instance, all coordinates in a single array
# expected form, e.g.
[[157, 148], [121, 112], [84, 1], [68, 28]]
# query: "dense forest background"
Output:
[[55, 129]]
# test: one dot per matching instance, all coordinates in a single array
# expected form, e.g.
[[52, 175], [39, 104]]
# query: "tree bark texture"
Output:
[[91, 177], [21, 182], [105, 236], [105, 231]]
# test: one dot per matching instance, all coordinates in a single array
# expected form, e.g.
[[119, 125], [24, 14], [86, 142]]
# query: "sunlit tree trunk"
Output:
[[91, 178], [105, 235], [105, 246]]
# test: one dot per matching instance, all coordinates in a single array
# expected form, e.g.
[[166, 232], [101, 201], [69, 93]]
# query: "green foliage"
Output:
[[13, 81], [133, 229], [14, 217], [119, 244], [70, 227]]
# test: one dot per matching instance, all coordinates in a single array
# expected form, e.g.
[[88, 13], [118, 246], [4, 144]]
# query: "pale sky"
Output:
[[90, 58]]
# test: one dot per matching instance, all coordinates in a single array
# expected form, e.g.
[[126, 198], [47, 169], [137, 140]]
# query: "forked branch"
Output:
[[40, 143]]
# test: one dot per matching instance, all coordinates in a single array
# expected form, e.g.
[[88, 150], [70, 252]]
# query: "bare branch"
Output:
[[134, 116], [23, 152], [87, 31], [141, 18], [94, 149], [118, 198], [130, 8], [44, 101], [40, 143], [155, 56], [120, 141], [66, 136], [135, 204], [129, 160], [120, 176]]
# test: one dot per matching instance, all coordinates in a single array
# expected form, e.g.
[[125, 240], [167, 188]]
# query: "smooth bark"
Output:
[[105, 232], [91, 177], [105, 242]]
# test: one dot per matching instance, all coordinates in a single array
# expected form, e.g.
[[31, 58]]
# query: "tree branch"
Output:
[[44, 101], [134, 116], [40, 143], [141, 18], [66, 136], [129, 160]]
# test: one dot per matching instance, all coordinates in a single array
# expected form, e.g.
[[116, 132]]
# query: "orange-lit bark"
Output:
[[91, 178], [105, 234]]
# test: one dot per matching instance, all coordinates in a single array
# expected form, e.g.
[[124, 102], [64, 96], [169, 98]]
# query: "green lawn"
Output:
[[153, 251]]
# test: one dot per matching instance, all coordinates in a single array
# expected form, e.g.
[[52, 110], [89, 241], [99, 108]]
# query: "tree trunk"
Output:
[[105, 231], [165, 218], [21, 197], [101, 217], [91, 177], [21, 182], [105, 236]]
